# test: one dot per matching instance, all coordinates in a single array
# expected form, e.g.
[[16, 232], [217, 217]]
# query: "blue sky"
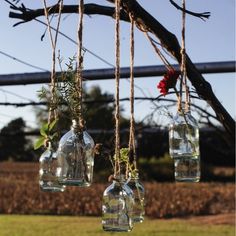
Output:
[[212, 40]]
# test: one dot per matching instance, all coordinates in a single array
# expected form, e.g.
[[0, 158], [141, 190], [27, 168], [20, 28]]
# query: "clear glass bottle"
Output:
[[48, 164], [184, 147], [139, 200], [117, 206], [76, 158]]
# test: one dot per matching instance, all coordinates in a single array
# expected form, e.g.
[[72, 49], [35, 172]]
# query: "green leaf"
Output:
[[44, 130], [52, 124], [42, 94], [124, 154], [39, 142]]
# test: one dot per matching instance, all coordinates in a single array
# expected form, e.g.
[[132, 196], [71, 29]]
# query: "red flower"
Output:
[[169, 81]]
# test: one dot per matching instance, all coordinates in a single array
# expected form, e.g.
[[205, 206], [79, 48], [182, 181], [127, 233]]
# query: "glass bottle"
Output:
[[184, 147], [117, 206], [48, 164], [139, 193], [76, 158]]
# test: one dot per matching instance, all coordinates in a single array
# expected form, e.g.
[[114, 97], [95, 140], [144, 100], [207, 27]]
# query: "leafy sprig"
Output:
[[124, 161], [67, 88], [47, 134]]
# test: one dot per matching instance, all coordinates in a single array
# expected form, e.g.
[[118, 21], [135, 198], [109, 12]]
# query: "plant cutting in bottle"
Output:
[[183, 130], [48, 179], [76, 147], [118, 197]]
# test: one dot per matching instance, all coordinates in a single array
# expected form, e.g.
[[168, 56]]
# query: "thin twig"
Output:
[[201, 15]]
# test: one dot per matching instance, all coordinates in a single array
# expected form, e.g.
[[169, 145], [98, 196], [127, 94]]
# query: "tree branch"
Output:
[[26, 14], [147, 22], [201, 15], [170, 42]]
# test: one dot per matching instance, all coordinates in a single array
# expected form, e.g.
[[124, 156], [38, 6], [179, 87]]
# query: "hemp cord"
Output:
[[183, 81], [158, 51], [53, 111], [132, 150], [79, 77], [117, 85]]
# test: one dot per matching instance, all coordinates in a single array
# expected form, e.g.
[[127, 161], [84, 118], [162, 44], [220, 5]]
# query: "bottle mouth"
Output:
[[78, 124]]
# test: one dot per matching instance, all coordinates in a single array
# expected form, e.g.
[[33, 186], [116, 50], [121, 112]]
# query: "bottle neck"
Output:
[[75, 124], [51, 146], [119, 178], [183, 112], [76, 127]]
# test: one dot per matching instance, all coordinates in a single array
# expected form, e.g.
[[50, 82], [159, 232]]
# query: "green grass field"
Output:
[[14, 225]]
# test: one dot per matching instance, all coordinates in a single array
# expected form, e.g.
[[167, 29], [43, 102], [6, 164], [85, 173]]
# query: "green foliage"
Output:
[[158, 169], [47, 134], [43, 93], [13, 144], [67, 88], [124, 154], [39, 143], [98, 115], [124, 161]]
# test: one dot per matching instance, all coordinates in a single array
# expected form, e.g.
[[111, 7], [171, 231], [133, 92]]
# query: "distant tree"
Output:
[[98, 114], [13, 143]]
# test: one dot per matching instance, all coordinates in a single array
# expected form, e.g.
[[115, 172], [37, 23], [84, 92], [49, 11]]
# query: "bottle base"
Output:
[[138, 219], [188, 180], [52, 189], [112, 229], [187, 168], [78, 183]]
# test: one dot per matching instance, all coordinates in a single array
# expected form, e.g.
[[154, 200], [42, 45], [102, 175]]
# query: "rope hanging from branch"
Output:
[[183, 79], [158, 51], [132, 150], [117, 85], [53, 111], [79, 69]]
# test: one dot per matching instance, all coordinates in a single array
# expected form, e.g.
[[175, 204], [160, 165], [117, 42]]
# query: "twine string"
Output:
[[132, 149], [117, 85], [183, 81], [53, 111], [79, 68], [158, 51]]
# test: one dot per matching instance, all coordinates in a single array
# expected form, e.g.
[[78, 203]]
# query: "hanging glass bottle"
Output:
[[184, 147], [76, 158], [117, 206], [139, 193], [48, 164]]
